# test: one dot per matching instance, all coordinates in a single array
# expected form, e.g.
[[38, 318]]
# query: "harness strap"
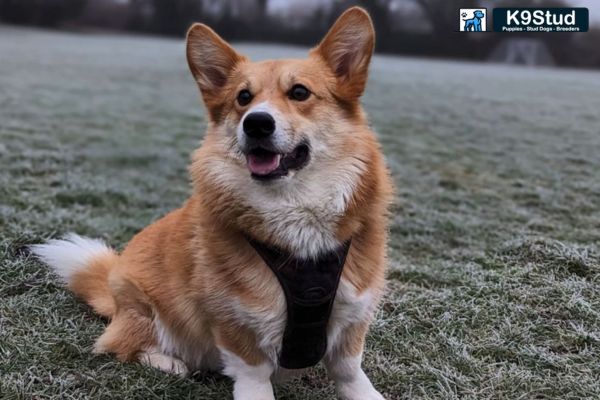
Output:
[[310, 286]]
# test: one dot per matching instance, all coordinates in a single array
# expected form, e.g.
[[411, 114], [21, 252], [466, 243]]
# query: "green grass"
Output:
[[494, 282]]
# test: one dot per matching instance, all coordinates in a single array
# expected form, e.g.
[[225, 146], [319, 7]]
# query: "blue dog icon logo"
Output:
[[475, 24]]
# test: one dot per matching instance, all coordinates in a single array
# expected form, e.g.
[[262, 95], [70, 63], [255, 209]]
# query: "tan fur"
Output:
[[193, 269], [91, 284]]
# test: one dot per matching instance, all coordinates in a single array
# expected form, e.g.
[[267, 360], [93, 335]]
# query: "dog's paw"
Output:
[[257, 392], [163, 362], [358, 392]]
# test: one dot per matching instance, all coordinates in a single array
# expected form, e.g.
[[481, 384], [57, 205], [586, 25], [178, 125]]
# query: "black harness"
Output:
[[309, 286]]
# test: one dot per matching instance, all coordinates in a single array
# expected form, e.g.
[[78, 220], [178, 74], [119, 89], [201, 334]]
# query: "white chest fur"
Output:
[[302, 210]]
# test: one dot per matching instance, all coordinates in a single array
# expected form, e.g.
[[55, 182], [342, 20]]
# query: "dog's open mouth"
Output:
[[265, 164]]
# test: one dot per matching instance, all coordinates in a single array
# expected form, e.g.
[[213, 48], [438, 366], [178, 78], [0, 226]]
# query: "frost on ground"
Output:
[[495, 266]]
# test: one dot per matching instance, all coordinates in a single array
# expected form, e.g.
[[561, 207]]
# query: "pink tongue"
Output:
[[264, 164]]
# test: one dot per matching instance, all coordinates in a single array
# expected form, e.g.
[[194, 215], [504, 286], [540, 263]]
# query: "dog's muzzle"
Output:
[[265, 158], [266, 163]]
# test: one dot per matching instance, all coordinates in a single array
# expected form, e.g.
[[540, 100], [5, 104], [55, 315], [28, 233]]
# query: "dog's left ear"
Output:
[[347, 50]]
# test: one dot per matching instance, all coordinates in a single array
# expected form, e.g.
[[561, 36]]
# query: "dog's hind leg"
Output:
[[91, 270], [127, 335], [131, 334]]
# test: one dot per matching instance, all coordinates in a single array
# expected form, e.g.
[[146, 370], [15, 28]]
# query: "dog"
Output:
[[288, 170], [474, 24]]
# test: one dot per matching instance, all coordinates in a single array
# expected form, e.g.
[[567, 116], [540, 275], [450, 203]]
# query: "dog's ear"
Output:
[[347, 50], [210, 59]]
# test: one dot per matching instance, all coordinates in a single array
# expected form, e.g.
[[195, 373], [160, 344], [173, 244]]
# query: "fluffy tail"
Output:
[[84, 265]]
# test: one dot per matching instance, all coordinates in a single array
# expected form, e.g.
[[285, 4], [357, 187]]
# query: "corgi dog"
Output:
[[289, 162]]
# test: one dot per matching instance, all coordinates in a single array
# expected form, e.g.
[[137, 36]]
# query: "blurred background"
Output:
[[494, 261], [411, 27]]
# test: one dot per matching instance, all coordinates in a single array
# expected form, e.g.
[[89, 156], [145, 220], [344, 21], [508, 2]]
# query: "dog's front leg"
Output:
[[251, 381], [351, 383], [344, 367]]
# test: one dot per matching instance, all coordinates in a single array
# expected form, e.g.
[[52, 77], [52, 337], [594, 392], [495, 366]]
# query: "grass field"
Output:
[[494, 282]]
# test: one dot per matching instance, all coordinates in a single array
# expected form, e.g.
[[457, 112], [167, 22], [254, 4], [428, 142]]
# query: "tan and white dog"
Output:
[[288, 160]]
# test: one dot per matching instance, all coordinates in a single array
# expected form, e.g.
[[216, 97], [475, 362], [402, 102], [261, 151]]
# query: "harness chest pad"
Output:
[[310, 286]]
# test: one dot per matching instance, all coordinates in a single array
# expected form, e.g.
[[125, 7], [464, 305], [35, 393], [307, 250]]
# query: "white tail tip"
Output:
[[70, 254]]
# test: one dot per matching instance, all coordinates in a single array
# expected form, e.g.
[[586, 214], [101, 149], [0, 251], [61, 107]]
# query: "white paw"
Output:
[[350, 393], [351, 383], [359, 388], [253, 396], [252, 391], [163, 362]]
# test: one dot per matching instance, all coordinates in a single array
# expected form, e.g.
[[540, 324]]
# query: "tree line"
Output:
[[413, 27]]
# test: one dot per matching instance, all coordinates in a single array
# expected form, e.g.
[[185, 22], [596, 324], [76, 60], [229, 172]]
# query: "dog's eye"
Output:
[[244, 97], [299, 93]]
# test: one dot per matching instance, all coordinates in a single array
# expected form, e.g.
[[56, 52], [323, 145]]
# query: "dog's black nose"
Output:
[[259, 125]]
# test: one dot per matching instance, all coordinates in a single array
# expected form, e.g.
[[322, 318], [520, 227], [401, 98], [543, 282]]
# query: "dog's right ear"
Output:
[[210, 59]]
